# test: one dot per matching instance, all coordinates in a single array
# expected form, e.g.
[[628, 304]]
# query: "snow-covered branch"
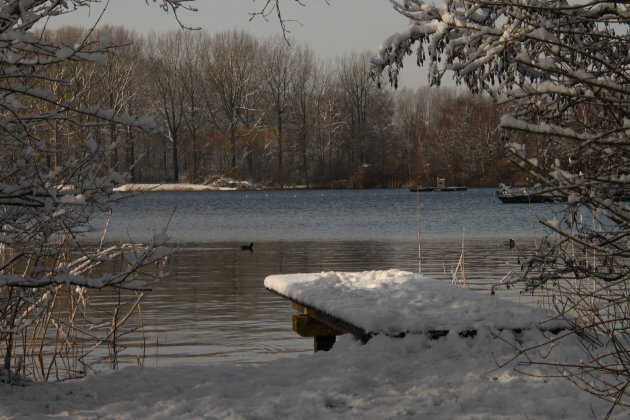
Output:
[[55, 173], [562, 70]]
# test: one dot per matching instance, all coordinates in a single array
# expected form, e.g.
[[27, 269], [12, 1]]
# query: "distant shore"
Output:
[[171, 187]]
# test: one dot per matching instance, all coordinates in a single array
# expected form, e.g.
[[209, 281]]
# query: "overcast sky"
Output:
[[331, 30]]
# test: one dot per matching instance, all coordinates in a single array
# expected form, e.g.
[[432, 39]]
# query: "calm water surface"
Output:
[[214, 308], [320, 215]]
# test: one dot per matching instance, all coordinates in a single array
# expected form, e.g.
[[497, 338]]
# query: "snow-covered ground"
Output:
[[413, 377], [164, 187], [170, 187], [215, 183]]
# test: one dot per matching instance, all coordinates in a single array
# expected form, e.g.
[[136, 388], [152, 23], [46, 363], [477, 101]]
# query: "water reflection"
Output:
[[214, 308]]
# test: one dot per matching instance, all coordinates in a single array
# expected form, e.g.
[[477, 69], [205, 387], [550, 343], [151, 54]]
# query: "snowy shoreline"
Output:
[[242, 186], [238, 186], [211, 183], [417, 377], [171, 188]]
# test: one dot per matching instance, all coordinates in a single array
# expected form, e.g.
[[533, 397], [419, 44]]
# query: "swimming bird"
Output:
[[249, 247]]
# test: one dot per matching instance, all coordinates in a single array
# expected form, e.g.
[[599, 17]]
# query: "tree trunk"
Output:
[[175, 158], [303, 151], [233, 147], [131, 155], [280, 168]]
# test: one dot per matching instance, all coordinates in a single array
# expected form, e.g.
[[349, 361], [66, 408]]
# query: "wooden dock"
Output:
[[397, 303]]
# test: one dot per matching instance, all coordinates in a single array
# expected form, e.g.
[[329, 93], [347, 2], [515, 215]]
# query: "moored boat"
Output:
[[507, 195], [528, 198], [440, 186]]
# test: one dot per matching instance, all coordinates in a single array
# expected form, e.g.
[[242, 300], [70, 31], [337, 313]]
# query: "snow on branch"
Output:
[[56, 171], [561, 71]]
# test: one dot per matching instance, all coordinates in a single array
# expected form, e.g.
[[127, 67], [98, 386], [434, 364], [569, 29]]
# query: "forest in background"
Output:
[[272, 113]]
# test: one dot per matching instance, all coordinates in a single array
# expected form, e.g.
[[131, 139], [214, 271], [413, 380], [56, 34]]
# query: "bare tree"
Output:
[[165, 65], [117, 86], [194, 46], [232, 79], [327, 124], [278, 63], [305, 87], [359, 95], [413, 120]]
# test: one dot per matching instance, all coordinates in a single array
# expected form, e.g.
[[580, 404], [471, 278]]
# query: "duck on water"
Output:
[[249, 247]]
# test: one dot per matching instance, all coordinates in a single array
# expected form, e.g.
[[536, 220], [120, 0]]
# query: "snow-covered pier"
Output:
[[396, 303]]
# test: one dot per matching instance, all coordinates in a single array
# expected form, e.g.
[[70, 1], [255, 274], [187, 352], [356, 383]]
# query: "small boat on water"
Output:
[[440, 186], [507, 195], [528, 198]]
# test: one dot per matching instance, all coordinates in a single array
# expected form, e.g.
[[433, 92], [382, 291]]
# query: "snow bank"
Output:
[[396, 301], [223, 182], [163, 187], [449, 378], [213, 184], [171, 187], [411, 377]]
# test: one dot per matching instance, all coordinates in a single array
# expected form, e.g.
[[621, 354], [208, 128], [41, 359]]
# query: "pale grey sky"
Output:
[[331, 30]]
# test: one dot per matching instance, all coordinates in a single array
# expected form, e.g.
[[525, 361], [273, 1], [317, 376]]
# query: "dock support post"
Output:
[[324, 336], [323, 342]]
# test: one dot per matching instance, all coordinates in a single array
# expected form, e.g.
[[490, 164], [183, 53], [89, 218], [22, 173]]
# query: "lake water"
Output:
[[321, 215], [214, 308]]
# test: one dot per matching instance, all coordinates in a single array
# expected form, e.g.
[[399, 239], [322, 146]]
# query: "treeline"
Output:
[[262, 110]]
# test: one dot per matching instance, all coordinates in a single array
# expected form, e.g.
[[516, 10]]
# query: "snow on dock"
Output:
[[397, 303]]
